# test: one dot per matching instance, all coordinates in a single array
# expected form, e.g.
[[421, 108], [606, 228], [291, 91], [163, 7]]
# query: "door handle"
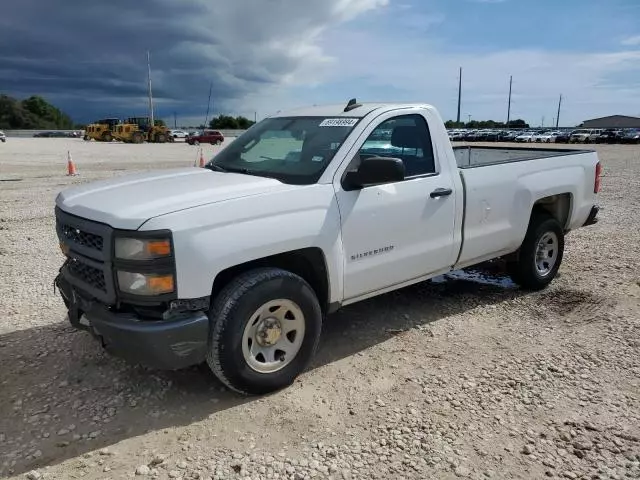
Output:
[[441, 192]]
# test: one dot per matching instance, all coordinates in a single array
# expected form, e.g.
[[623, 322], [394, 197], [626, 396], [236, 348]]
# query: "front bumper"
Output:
[[162, 344], [593, 216]]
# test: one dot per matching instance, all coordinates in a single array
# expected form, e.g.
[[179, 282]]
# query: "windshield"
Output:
[[291, 149]]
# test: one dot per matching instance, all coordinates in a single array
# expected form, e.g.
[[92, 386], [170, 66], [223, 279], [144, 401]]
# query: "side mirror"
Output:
[[374, 171]]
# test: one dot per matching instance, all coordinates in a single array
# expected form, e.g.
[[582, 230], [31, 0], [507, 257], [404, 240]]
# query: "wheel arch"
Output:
[[308, 263], [558, 206]]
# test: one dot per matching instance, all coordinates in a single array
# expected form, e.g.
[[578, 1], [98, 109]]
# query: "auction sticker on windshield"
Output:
[[338, 122]]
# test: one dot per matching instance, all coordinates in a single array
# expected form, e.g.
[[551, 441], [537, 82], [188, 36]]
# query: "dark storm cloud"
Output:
[[90, 57]]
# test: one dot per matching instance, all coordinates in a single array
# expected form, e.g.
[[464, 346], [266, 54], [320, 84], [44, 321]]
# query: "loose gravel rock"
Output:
[[463, 377]]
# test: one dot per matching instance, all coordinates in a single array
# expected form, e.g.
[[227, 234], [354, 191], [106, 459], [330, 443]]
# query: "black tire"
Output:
[[137, 137], [161, 138], [523, 270], [233, 308], [106, 137]]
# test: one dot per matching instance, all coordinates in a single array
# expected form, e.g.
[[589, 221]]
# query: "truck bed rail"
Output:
[[471, 157]]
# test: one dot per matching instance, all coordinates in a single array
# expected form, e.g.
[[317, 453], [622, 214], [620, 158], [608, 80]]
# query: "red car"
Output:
[[214, 137]]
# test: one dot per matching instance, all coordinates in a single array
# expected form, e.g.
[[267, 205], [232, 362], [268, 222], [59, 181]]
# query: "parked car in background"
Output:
[[525, 137], [548, 137], [594, 135], [486, 136], [178, 133], [3, 137], [562, 137], [456, 135], [539, 137], [508, 136], [580, 136], [631, 136], [610, 136], [55, 134], [214, 137], [470, 135]]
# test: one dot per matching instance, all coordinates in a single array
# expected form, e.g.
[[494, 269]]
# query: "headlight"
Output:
[[142, 249], [145, 284]]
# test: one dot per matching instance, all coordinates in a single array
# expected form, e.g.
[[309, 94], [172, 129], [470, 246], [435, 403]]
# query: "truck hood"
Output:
[[129, 201]]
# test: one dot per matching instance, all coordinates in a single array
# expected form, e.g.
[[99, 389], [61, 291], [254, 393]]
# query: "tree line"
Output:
[[519, 123], [33, 113], [227, 122]]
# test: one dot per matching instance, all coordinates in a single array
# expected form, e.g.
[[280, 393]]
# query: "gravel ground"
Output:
[[465, 376]]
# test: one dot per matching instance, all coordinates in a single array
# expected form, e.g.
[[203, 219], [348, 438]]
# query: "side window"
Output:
[[405, 137]]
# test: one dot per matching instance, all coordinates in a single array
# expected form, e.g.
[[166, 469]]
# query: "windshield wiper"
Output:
[[215, 168], [218, 168]]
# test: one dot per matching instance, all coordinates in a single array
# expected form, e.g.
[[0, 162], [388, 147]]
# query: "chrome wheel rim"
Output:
[[546, 253], [273, 336]]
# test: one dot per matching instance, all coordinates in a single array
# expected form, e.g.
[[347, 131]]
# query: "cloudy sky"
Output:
[[266, 55]]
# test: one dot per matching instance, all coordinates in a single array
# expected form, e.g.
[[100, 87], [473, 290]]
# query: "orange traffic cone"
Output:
[[201, 159], [71, 167]]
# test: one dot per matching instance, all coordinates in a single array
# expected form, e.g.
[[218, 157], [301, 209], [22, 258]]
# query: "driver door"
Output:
[[400, 231]]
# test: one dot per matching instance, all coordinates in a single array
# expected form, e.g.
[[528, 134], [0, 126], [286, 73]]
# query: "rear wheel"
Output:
[[136, 137], [540, 254], [218, 142], [106, 137], [161, 138], [266, 325]]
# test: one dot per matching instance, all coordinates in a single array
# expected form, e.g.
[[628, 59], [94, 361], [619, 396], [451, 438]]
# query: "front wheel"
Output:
[[266, 325], [540, 254]]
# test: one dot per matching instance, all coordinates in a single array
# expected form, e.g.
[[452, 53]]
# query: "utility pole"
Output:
[[469, 115], [255, 117], [542, 124], [558, 117], [509, 105], [152, 123], [459, 94], [175, 121]]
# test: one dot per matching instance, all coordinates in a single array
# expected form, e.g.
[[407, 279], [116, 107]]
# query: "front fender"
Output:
[[212, 238]]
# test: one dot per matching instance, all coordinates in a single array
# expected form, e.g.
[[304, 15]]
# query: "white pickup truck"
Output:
[[237, 263]]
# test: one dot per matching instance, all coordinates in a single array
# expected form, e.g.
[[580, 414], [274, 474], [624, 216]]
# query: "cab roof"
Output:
[[338, 110]]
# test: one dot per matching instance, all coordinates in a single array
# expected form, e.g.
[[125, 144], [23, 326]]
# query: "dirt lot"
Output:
[[447, 379]]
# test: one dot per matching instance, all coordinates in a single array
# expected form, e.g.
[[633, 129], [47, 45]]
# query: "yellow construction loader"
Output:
[[101, 130], [139, 129]]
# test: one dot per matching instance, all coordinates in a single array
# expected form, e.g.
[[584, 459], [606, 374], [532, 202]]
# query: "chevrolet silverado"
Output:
[[236, 264]]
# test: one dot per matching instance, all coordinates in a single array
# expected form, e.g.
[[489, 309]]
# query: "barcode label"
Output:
[[338, 122]]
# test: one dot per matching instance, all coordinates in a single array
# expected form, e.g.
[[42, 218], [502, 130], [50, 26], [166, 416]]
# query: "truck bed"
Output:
[[470, 157], [498, 197]]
